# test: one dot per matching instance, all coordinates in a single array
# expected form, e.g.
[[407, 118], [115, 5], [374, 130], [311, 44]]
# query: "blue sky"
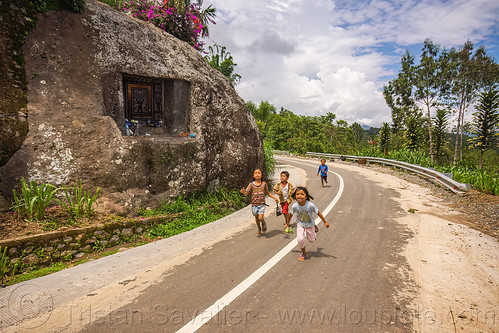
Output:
[[319, 56]]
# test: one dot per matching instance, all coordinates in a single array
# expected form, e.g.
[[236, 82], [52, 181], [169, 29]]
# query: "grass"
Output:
[[485, 180], [58, 266], [193, 211]]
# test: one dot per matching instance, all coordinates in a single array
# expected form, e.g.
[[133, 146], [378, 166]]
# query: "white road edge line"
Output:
[[225, 300]]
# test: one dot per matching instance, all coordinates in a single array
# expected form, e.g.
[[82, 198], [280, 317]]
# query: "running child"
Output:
[[323, 171], [257, 189], [304, 210], [284, 190]]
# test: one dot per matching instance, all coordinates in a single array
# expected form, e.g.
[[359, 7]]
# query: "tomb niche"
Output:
[[155, 106]]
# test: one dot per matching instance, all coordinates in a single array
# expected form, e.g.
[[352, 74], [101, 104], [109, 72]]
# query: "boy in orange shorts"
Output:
[[285, 191]]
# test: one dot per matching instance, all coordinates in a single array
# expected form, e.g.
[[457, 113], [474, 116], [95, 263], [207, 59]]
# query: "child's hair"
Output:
[[304, 189], [285, 173]]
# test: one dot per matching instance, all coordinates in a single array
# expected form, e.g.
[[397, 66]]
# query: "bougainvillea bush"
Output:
[[187, 24]]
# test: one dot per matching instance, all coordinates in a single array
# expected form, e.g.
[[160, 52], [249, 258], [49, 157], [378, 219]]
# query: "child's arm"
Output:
[[323, 219], [245, 191], [272, 196]]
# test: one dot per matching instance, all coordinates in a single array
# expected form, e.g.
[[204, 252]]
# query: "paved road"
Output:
[[348, 285], [243, 283]]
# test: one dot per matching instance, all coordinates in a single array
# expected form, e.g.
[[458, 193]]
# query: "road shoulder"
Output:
[[454, 275]]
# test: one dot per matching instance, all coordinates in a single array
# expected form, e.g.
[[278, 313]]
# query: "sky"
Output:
[[318, 56]]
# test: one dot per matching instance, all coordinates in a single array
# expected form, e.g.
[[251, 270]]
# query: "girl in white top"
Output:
[[304, 210]]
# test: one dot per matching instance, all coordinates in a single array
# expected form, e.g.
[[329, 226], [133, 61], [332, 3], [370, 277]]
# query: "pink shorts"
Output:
[[302, 233]]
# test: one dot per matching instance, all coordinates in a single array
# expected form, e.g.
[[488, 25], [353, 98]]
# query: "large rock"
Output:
[[81, 71], [16, 17]]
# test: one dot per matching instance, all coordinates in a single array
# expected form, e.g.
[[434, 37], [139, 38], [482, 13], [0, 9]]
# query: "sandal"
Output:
[[316, 228], [264, 226], [302, 257], [258, 234]]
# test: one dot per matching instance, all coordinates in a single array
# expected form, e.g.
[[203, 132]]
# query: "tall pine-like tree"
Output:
[[384, 138], [440, 122], [485, 123]]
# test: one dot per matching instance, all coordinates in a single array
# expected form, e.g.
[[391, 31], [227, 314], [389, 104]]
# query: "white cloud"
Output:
[[320, 56]]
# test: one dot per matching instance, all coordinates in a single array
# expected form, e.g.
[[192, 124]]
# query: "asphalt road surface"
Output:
[[247, 284]]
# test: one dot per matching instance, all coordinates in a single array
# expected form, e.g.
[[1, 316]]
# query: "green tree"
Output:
[[358, 134], [252, 107], [469, 74], [398, 94], [280, 130], [487, 70], [464, 86], [264, 111], [384, 138], [485, 123], [412, 134], [328, 119], [440, 122], [222, 61], [429, 78]]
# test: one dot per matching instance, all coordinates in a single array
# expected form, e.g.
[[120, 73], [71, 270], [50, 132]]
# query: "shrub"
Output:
[[188, 24], [79, 203], [77, 6], [34, 200]]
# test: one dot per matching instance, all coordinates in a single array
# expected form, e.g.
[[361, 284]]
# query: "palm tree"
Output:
[[207, 16]]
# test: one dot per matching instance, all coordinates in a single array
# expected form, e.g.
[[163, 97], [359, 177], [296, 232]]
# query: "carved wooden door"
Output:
[[139, 101]]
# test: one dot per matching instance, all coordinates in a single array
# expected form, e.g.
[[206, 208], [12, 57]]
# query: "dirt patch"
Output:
[[477, 210]]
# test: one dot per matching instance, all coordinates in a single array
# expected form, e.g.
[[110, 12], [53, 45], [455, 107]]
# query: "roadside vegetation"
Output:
[[39, 206], [423, 98], [194, 210]]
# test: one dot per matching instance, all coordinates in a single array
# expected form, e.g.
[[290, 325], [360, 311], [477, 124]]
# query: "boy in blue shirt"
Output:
[[323, 171]]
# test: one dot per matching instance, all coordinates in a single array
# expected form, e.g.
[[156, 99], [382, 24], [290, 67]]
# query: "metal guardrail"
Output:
[[280, 152], [444, 179]]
